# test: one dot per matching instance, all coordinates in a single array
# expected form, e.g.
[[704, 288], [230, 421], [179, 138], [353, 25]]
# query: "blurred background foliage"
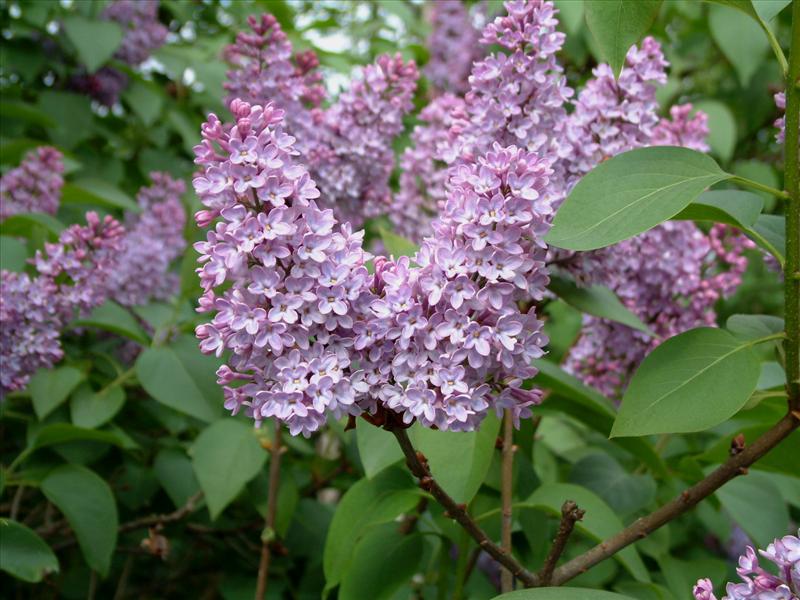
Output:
[[97, 444]]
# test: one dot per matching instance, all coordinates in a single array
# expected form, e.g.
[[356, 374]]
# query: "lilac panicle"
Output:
[[757, 583], [154, 239], [72, 277], [35, 185], [453, 46], [142, 32], [311, 333]]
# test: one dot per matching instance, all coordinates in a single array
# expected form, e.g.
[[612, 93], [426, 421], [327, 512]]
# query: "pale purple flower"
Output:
[[142, 32], [35, 185]]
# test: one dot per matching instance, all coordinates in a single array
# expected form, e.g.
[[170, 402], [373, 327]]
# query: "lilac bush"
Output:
[[35, 185]]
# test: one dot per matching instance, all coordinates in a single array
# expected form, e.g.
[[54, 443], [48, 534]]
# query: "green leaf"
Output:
[[88, 505], [99, 192], [23, 554], [741, 40], [721, 126], [691, 382], [112, 317], [769, 9], [146, 100], [600, 522], [596, 300], [631, 193], [225, 456], [182, 378], [13, 254], [625, 493], [733, 207], [95, 40], [570, 14], [72, 114], [618, 24], [25, 112], [458, 460], [368, 577], [174, 472], [50, 387], [397, 245], [781, 459], [367, 503], [377, 448], [27, 224], [755, 503], [92, 409], [561, 593], [753, 327], [772, 229], [681, 575], [64, 433]]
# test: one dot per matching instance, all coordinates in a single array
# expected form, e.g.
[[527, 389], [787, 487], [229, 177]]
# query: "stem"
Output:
[[570, 514], [735, 465], [458, 512], [16, 502], [776, 47], [506, 489], [792, 184], [119, 594], [749, 183], [272, 506]]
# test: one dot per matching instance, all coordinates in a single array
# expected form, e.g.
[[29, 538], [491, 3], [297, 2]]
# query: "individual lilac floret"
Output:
[[35, 185], [757, 583], [142, 31], [453, 46], [153, 241], [353, 162], [73, 277], [292, 276], [423, 175]]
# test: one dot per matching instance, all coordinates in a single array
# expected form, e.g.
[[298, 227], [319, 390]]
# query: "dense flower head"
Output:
[[35, 185], [142, 32], [757, 583], [453, 46], [72, 277], [104, 85], [312, 333], [154, 239]]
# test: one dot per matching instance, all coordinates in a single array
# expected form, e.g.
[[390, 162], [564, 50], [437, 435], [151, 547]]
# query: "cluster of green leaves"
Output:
[[97, 446]]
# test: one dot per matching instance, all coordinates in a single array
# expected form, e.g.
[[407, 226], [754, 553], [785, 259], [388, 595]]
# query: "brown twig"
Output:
[[458, 512], [506, 492], [272, 505], [154, 520], [735, 465], [570, 514]]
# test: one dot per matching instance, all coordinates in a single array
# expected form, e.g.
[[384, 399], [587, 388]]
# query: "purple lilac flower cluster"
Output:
[[104, 85], [453, 46], [780, 123], [757, 583], [348, 146], [142, 31], [153, 240], [35, 185], [311, 333], [73, 277]]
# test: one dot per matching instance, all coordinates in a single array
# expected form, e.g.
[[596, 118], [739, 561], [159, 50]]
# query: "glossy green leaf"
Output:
[[90, 408], [95, 40], [112, 317], [753, 327], [596, 300], [25, 112], [146, 100], [631, 193], [174, 472], [740, 497], [88, 505], [622, 491], [721, 127], [64, 433], [367, 503], [26, 224], [691, 382], [13, 254], [397, 245], [741, 40], [769, 9], [618, 24], [599, 522], [571, 15], [50, 387], [225, 456], [23, 554], [458, 460], [561, 593], [72, 114], [772, 229], [377, 448], [367, 575], [733, 207], [97, 191], [180, 377]]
